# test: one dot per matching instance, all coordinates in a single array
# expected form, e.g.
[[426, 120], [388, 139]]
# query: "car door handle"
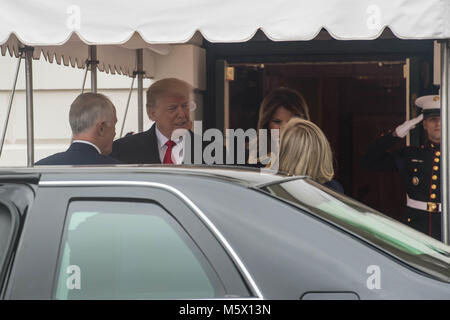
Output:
[[329, 296]]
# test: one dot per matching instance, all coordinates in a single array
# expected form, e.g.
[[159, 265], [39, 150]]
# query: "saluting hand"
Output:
[[402, 130]]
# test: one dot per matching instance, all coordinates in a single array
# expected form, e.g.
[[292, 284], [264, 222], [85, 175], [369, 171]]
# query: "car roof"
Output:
[[249, 177]]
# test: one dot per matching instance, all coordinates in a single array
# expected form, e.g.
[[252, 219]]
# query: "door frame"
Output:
[[262, 50]]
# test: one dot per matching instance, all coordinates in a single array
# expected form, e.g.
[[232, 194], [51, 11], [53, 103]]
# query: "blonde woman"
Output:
[[304, 150]]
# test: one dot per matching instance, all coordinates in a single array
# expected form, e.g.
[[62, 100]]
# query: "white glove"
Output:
[[402, 130]]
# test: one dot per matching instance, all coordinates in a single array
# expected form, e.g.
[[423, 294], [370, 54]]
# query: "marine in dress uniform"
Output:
[[419, 167]]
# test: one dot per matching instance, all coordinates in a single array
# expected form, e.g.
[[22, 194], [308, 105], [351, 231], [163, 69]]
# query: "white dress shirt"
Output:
[[177, 150], [89, 143]]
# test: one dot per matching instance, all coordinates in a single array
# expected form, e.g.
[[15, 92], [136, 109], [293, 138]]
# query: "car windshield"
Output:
[[404, 243]]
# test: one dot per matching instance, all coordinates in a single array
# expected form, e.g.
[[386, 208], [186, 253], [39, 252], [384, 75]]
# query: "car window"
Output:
[[130, 250], [410, 246]]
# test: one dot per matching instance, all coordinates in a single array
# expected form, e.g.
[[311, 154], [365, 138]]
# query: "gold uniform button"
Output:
[[435, 168], [409, 219], [433, 186], [432, 196], [433, 206], [415, 170], [436, 159], [434, 177], [437, 153]]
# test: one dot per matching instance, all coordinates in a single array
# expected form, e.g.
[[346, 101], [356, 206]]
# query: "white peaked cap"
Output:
[[429, 102]]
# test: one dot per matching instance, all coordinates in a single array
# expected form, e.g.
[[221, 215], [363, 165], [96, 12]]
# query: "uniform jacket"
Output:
[[419, 167], [78, 154]]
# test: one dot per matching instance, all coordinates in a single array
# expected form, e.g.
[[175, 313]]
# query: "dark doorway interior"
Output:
[[352, 102]]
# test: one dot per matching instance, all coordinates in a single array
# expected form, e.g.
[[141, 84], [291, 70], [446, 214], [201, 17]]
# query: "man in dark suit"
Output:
[[169, 103], [93, 120]]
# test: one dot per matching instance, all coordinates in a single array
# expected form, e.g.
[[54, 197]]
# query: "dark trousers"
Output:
[[423, 221]]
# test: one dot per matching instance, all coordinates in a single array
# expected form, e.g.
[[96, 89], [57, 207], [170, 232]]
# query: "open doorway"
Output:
[[352, 102]]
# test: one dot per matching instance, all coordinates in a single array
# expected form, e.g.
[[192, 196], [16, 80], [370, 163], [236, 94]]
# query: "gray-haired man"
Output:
[[93, 120]]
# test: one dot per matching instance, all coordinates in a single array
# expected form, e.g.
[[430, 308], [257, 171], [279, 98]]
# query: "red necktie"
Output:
[[168, 155]]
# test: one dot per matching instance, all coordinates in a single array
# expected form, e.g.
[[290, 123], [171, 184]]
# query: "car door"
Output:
[[15, 197], [119, 240]]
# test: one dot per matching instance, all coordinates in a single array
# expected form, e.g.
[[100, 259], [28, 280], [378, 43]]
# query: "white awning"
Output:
[[63, 29], [112, 59]]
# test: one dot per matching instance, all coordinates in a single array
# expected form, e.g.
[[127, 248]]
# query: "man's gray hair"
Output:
[[87, 109]]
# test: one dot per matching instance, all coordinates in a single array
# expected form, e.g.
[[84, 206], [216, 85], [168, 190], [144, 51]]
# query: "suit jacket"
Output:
[[142, 148], [335, 185], [78, 154]]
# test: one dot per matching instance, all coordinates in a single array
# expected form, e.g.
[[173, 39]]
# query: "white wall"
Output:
[[186, 62]]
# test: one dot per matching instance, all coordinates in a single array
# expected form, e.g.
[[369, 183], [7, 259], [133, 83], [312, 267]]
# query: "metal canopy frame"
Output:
[[29, 99], [27, 53]]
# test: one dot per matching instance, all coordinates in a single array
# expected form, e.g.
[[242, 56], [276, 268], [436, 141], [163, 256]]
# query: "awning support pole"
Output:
[[140, 76], [11, 99], [128, 104], [85, 75], [29, 96], [445, 130], [93, 64]]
